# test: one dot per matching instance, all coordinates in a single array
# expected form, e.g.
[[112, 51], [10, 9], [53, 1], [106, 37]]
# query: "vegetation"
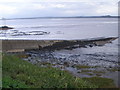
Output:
[[93, 72], [82, 66], [101, 82], [8, 82], [0, 69], [18, 73], [114, 69]]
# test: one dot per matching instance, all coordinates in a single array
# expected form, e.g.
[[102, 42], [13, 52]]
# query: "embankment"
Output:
[[22, 45]]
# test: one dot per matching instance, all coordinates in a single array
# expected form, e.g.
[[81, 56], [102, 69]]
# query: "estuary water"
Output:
[[60, 28]]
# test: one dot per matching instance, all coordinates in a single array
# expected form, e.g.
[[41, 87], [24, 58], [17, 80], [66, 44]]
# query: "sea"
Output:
[[60, 28]]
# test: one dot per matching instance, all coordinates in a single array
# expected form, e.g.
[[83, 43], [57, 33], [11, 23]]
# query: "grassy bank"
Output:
[[22, 74]]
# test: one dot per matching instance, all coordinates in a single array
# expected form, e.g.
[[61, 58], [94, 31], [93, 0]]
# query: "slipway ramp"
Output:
[[23, 45]]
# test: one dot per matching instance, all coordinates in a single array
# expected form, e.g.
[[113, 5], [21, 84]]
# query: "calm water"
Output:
[[61, 28]]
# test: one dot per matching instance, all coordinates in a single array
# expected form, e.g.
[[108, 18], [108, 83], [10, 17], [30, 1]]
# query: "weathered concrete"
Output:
[[21, 45]]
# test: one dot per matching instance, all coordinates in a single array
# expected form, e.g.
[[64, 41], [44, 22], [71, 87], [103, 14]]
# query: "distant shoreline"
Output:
[[65, 17]]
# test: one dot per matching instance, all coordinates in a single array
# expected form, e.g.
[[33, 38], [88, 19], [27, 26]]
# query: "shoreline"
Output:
[[43, 56], [25, 75], [47, 59]]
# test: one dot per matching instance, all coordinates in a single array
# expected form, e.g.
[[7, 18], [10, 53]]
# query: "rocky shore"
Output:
[[75, 64], [51, 53]]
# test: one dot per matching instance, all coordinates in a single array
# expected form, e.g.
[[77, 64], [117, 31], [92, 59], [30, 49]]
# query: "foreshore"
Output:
[[41, 53], [22, 45]]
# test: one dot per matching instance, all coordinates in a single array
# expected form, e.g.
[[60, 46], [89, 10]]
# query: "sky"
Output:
[[57, 8]]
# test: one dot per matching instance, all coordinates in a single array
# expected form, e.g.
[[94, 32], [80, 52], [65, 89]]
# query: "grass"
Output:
[[0, 69], [114, 69], [98, 73], [45, 63], [8, 82], [88, 73], [18, 73], [22, 55], [84, 66], [101, 82], [86, 70], [93, 72]]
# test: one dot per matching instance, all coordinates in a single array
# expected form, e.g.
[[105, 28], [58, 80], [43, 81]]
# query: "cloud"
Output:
[[7, 10], [41, 8], [38, 6], [58, 5], [107, 9], [58, 1]]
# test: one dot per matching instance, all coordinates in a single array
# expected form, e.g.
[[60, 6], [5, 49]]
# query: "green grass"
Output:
[[79, 66], [18, 73], [101, 82], [8, 82], [114, 69], [0, 69], [82, 66], [92, 72]]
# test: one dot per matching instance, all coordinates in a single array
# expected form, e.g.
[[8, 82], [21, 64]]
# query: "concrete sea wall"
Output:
[[22, 45]]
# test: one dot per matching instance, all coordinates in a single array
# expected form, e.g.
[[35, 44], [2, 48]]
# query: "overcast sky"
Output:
[[57, 8]]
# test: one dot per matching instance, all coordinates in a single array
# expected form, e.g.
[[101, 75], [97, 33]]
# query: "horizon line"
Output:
[[104, 16]]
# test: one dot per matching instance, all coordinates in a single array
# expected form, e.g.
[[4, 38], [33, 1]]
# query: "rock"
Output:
[[5, 28], [66, 64]]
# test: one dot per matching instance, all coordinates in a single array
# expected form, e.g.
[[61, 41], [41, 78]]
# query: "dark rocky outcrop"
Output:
[[66, 44], [5, 28]]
